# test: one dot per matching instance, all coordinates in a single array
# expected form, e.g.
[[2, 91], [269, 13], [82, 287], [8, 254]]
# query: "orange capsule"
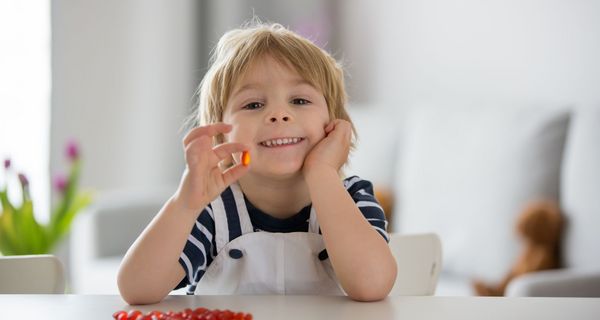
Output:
[[245, 158]]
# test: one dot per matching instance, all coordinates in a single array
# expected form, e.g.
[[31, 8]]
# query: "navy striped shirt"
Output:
[[200, 249]]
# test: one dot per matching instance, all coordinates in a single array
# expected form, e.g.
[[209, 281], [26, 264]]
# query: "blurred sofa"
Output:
[[463, 173], [102, 234]]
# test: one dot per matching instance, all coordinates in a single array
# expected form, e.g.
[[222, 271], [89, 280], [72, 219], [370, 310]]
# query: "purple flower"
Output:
[[60, 183], [72, 150], [23, 179], [7, 163]]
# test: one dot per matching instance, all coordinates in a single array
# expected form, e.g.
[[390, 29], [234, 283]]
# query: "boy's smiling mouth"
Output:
[[279, 142]]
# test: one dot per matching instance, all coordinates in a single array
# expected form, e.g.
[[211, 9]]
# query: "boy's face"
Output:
[[278, 115]]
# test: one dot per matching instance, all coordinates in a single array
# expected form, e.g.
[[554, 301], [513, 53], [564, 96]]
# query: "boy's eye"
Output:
[[252, 106], [300, 101]]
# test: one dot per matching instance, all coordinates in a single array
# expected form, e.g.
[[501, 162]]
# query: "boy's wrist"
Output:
[[318, 173], [179, 205]]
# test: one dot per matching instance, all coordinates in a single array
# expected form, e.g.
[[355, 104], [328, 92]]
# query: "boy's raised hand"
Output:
[[203, 179], [332, 151]]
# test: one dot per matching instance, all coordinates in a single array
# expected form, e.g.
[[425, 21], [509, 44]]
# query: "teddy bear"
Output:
[[385, 198], [539, 227]]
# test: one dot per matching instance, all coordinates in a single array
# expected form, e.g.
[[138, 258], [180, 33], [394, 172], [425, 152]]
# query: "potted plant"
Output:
[[20, 232]]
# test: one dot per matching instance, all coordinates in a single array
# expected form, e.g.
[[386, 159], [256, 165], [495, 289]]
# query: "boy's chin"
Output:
[[285, 172]]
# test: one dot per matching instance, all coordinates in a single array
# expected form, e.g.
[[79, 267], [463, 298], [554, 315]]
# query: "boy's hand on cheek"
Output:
[[332, 151], [203, 179]]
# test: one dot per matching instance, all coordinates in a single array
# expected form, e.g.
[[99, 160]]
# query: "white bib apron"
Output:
[[265, 262]]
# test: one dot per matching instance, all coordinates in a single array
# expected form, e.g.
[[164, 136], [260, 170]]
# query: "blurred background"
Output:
[[465, 110]]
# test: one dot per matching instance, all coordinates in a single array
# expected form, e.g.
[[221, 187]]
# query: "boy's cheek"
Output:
[[233, 135], [237, 136]]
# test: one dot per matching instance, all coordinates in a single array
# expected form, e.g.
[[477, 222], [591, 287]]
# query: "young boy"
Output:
[[285, 222]]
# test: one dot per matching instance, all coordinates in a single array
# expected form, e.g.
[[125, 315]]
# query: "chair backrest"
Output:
[[419, 260], [121, 212], [34, 274]]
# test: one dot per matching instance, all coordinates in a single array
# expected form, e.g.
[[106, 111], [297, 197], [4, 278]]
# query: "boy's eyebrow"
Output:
[[251, 86], [300, 82], [245, 87]]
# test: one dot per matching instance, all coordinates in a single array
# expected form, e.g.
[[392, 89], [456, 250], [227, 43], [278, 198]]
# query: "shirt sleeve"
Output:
[[199, 250], [362, 194]]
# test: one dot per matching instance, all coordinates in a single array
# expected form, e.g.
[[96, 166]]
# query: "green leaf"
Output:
[[79, 202], [6, 243], [69, 193], [4, 200], [8, 232], [21, 233], [33, 236]]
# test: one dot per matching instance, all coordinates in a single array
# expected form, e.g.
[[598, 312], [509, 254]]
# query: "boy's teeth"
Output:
[[281, 141]]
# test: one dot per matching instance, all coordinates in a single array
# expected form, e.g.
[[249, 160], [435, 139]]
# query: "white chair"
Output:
[[31, 274], [419, 260]]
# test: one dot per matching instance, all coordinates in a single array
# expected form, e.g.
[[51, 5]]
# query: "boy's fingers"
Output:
[[194, 148], [225, 150], [232, 174], [329, 127], [209, 130]]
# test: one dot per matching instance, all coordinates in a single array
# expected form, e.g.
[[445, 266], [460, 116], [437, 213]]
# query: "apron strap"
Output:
[[221, 225], [313, 224], [245, 223], [231, 216]]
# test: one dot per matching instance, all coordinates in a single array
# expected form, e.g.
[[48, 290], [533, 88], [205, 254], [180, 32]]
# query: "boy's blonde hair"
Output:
[[238, 48]]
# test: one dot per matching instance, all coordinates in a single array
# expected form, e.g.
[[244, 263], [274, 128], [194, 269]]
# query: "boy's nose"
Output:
[[281, 118], [279, 115]]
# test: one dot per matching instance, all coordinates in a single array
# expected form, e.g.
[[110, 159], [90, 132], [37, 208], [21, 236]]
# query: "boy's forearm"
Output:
[[360, 256], [150, 268]]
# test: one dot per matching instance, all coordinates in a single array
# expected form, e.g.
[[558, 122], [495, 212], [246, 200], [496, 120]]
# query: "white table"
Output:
[[308, 307]]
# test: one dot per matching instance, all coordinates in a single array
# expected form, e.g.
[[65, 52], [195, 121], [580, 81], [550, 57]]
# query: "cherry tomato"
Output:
[[200, 310], [199, 313], [134, 314], [238, 316]]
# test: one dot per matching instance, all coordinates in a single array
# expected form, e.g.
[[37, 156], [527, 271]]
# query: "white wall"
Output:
[[124, 73], [506, 53], [519, 50], [24, 100], [123, 77]]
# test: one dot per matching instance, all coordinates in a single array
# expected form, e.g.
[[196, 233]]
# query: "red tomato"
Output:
[[199, 313], [134, 315], [238, 316], [156, 314], [210, 316], [225, 315]]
